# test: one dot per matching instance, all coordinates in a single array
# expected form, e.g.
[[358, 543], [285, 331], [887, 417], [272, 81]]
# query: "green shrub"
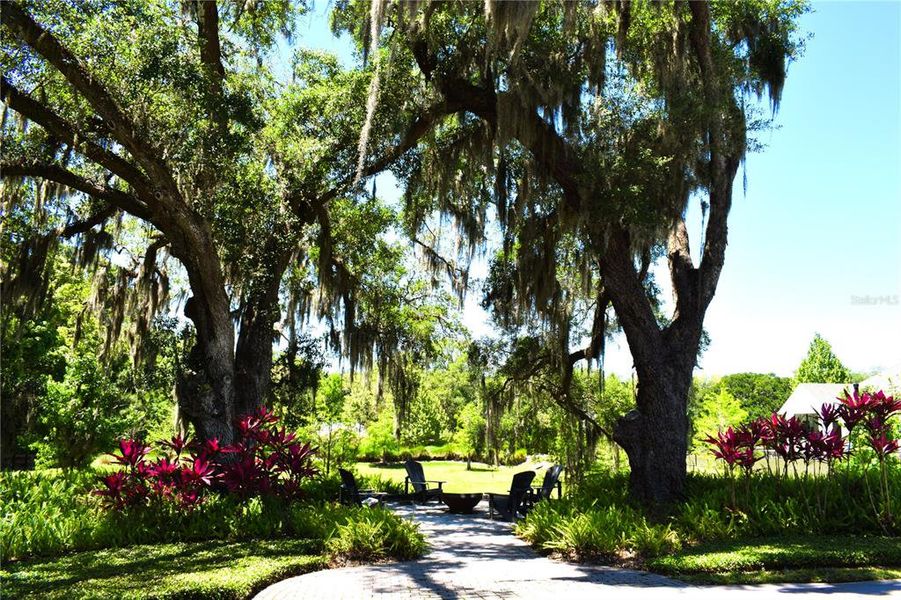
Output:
[[515, 458], [379, 443], [654, 540], [375, 534], [598, 520], [539, 528], [592, 534]]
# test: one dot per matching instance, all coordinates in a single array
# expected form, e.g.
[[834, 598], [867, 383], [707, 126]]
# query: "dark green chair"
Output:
[[423, 489], [545, 490], [352, 495], [509, 506]]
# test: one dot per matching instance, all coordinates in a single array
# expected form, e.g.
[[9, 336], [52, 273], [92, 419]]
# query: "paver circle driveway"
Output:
[[474, 557]]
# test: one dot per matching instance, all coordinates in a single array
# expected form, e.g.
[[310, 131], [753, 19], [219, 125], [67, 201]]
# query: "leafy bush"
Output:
[[80, 415], [654, 540], [379, 443], [376, 534], [594, 534]]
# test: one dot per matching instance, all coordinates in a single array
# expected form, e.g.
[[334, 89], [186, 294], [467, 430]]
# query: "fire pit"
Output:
[[461, 503]]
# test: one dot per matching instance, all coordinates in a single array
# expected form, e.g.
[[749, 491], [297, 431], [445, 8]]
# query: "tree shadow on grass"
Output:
[[116, 567]]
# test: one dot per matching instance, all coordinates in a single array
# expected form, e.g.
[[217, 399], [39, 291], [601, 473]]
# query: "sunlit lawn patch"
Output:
[[791, 559], [482, 477]]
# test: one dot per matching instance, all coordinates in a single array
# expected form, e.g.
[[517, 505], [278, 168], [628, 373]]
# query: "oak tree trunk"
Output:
[[205, 387], [655, 434]]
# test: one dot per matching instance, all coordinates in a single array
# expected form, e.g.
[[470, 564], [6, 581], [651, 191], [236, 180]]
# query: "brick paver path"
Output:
[[473, 557]]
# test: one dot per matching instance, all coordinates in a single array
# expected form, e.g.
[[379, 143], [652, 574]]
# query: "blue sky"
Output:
[[815, 243]]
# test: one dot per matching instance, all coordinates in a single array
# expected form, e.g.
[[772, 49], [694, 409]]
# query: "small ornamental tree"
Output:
[[470, 432], [717, 411], [821, 365]]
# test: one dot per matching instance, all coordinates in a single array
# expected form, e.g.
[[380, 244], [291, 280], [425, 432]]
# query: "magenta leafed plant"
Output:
[[792, 440], [265, 461], [736, 447]]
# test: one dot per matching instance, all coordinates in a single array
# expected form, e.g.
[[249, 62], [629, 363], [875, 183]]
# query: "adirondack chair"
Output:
[[544, 491], [509, 506], [423, 489], [351, 494]]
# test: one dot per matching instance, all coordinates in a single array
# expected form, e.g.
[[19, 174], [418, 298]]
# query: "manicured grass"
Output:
[[794, 559], [183, 570], [482, 477], [821, 575]]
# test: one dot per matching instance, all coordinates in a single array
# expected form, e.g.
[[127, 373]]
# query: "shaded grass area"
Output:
[[482, 477], [181, 570], [785, 560]]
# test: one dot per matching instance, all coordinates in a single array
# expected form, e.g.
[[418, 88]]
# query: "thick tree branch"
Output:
[[210, 48], [682, 271], [716, 235], [51, 172], [85, 225], [598, 331], [190, 235], [548, 147], [725, 156], [64, 131], [457, 275], [629, 298], [123, 129], [420, 127]]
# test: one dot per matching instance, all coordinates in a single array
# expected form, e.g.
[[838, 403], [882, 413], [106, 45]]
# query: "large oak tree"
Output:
[[598, 121], [165, 111]]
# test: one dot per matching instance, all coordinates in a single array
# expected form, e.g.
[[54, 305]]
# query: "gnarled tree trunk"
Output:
[[655, 434], [205, 388]]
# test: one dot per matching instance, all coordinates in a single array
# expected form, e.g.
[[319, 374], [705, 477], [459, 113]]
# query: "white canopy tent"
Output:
[[807, 399]]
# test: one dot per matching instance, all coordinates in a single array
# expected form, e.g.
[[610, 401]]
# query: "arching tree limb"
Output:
[[122, 128], [51, 172], [64, 131]]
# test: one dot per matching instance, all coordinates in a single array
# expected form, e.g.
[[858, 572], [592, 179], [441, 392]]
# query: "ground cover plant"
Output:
[[788, 518], [258, 495], [47, 513], [225, 547], [807, 522]]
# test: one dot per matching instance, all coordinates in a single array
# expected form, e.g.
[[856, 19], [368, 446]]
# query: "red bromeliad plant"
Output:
[[265, 461]]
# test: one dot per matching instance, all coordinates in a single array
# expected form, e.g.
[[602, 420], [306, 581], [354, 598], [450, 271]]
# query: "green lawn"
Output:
[[482, 477], [795, 559], [184, 570]]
